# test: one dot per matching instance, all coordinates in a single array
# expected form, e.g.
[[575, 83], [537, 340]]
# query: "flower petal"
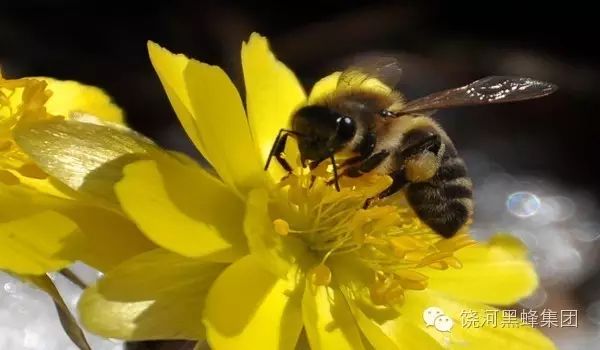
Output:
[[170, 70], [182, 208], [384, 328], [328, 322], [222, 123], [87, 157], [249, 308], [101, 238], [211, 111], [70, 96], [38, 243], [496, 273], [323, 87], [272, 93], [276, 253], [109, 238], [500, 337], [156, 295]]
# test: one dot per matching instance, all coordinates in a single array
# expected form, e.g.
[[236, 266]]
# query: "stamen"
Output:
[[386, 291], [20, 99], [387, 237]]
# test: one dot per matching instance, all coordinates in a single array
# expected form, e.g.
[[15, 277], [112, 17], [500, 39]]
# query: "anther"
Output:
[[281, 227], [321, 275]]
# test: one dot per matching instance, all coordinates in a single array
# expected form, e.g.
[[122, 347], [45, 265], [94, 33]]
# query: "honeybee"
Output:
[[386, 135]]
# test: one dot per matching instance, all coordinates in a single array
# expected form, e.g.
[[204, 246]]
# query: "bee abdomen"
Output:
[[444, 203], [450, 169]]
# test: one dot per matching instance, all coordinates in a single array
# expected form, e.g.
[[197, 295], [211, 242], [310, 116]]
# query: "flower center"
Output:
[[387, 237]]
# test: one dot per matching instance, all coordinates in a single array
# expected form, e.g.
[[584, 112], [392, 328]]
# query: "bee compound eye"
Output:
[[346, 128]]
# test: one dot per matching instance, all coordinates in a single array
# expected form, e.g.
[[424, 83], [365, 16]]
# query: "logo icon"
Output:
[[434, 316]]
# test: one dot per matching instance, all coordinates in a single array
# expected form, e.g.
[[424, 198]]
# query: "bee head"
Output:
[[321, 132]]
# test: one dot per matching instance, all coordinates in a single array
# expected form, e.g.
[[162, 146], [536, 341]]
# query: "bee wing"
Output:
[[85, 156], [385, 69], [489, 90]]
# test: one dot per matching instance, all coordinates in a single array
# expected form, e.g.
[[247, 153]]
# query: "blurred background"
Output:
[[533, 163]]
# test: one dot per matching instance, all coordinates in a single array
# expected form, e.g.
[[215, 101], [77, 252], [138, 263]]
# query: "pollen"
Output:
[[386, 238]]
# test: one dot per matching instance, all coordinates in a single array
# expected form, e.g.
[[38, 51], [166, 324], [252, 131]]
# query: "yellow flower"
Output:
[[253, 261], [45, 226]]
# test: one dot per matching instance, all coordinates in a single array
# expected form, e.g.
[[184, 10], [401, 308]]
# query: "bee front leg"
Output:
[[278, 149]]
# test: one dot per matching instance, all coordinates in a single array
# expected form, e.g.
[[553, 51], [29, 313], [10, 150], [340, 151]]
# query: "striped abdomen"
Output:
[[445, 202]]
